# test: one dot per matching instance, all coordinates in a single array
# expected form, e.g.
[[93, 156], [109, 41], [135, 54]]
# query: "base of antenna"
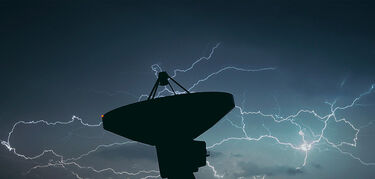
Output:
[[179, 160]]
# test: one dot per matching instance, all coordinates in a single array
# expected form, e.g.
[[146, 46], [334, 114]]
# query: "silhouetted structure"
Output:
[[171, 124]]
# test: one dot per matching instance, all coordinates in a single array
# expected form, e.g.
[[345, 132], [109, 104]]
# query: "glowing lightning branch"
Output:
[[214, 170], [197, 61], [74, 118], [10, 148], [305, 146], [71, 161], [156, 68], [230, 68]]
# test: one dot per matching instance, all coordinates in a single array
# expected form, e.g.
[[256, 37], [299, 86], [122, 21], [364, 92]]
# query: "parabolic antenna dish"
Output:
[[160, 120]]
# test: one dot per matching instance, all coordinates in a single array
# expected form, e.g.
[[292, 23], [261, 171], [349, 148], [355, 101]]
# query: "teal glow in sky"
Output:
[[301, 74]]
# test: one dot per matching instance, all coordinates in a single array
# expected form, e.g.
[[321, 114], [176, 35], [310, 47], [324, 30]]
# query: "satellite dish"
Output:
[[171, 124]]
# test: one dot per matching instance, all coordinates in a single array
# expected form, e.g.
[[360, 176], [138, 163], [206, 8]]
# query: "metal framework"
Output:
[[163, 80]]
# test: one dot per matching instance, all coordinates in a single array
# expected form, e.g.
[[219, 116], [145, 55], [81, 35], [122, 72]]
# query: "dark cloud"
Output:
[[316, 166], [293, 171], [215, 154], [133, 151], [59, 58], [236, 155], [249, 169]]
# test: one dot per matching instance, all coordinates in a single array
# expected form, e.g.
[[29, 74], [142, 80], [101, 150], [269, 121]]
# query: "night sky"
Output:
[[301, 72]]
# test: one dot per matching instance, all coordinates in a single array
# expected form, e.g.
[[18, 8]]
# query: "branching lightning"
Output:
[[73, 166], [70, 161], [305, 146]]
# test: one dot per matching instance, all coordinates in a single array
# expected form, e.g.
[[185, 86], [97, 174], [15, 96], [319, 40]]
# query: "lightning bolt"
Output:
[[70, 161], [305, 146], [71, 164], [63, 163]]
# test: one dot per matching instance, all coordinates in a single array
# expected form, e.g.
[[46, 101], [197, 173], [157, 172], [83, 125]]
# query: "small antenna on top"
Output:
[[163, 80]]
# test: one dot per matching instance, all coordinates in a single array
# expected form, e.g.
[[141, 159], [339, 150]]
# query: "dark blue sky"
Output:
[[83, 58]]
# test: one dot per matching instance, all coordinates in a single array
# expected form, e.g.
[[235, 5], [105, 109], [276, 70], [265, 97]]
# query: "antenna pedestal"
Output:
[[182, 160]]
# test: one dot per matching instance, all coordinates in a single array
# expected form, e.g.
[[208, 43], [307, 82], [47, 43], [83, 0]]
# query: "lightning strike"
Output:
[[305, 146]]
